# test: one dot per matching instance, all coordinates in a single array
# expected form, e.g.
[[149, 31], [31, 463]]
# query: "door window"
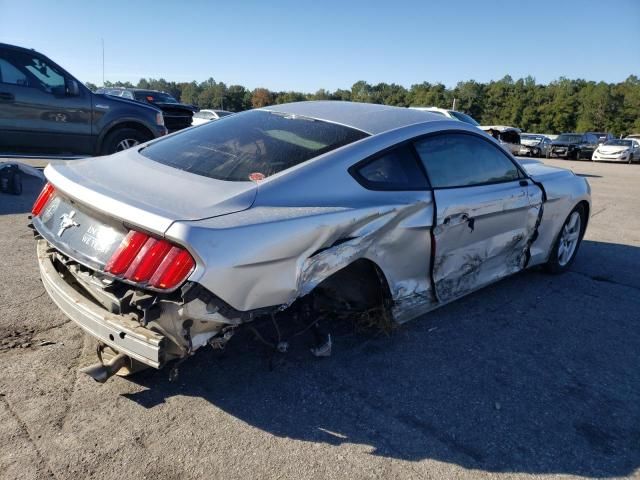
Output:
[[10, 74], [37, 72], [459, 160], [396, 169]]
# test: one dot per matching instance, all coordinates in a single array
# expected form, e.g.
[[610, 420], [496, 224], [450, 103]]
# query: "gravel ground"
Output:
[[536, 376]]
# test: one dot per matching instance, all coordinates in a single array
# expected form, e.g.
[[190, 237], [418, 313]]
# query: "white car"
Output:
[[509, 137], [627, 150], [204, 116], [452, 114]]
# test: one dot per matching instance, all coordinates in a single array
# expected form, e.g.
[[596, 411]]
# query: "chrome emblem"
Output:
[[67, 221]]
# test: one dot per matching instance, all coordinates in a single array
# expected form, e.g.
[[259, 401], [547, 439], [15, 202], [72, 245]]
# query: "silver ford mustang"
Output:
[[162, 249]]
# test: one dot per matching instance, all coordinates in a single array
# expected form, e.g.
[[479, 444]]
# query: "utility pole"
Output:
[[454, 104], [102, 61]]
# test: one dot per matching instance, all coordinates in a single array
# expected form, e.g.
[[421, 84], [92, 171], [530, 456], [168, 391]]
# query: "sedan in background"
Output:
[[534, 145], [574, 146], [204, 116], [627, 150], [292, 213]]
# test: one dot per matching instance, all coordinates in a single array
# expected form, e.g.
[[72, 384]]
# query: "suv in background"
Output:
[[44, 110], [176, 115], [574, 145], [603, 137]]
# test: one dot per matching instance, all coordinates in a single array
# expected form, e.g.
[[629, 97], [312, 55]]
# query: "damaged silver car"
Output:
[[160, 250]]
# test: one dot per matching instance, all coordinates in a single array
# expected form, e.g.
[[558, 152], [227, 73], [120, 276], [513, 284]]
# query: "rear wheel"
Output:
[[566, 245], [123, 139]]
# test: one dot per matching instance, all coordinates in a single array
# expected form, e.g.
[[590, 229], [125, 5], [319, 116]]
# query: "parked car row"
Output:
[[596, 146]]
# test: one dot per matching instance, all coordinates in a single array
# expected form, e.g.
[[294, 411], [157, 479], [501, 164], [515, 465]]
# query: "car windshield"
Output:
[[154, 97], [250, 146], [463, 117], [619, 143], [531, 138], [569, 138]]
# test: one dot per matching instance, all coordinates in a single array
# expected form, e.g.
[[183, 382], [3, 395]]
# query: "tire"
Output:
[[16, 182], [563, 255], [123, 138]]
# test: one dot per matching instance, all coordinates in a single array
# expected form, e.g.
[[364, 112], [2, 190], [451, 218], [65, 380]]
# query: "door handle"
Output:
[[459, 219], [6, 97], [462, 217]]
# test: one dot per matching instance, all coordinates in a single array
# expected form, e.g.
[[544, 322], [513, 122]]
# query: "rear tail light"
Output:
[[150, 261], [44, 197]]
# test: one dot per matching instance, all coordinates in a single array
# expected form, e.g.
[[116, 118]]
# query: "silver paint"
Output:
[[267, 244]]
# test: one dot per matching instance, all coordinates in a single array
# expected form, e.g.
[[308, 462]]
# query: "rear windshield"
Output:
[[568, 138], [619, 143], [463, 117], [250, 145], [154, 97]]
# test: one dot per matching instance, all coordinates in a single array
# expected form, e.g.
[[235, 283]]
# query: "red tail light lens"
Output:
[[44, 197], [174, 269], [126, 252], [147, 260], [150, 261]]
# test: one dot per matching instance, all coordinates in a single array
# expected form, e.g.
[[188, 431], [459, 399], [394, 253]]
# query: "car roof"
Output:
[[16, 47], [367, 117]]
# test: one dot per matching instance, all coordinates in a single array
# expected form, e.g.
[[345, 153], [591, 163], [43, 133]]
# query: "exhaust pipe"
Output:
[[101, 372]]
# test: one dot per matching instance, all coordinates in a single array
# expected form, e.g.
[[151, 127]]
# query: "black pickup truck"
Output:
[[176, 115], [44, 110]]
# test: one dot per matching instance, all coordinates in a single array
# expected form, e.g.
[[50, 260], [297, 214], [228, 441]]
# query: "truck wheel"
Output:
[[122, 139], [566, 246]]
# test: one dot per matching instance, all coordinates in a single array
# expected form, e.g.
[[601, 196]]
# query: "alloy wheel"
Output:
[[126, 143], [569, 238]]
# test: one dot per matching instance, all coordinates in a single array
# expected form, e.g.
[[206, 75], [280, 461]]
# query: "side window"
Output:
[[396, 169], [48, 77], [459, 160], [39, 74], [10, 74], [127, 94]]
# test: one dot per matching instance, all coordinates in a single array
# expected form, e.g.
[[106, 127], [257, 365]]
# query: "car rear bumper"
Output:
[[123, 334]]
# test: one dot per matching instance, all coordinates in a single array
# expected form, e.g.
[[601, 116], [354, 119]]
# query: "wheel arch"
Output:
[[134, 124], [360, 283]]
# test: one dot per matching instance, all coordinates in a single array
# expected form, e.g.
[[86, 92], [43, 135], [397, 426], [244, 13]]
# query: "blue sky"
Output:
[[299, 45]]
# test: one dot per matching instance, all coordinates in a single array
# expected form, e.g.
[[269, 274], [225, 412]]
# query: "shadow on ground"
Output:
[[514, 378], [12, 204]]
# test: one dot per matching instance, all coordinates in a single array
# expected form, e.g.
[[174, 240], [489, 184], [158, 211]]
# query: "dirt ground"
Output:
[[535, 376]]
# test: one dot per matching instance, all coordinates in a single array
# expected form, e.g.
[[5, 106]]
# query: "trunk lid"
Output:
[[134, 189]]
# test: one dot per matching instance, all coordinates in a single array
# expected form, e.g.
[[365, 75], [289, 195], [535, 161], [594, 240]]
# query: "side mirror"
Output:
[[73, 90]]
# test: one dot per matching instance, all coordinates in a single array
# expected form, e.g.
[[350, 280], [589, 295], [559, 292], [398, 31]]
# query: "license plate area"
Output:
[[86, 236]]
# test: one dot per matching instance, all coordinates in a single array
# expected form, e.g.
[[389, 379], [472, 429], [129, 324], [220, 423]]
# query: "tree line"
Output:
[[563, 105]]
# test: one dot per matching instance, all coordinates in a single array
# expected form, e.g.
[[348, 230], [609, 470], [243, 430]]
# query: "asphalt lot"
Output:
[[534, 376]]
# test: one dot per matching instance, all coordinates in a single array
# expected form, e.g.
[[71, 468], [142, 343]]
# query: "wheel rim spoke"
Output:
[[569, 239], [126, 143]]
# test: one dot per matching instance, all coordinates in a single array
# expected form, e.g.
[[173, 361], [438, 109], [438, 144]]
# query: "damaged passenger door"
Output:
[[485, 214]]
